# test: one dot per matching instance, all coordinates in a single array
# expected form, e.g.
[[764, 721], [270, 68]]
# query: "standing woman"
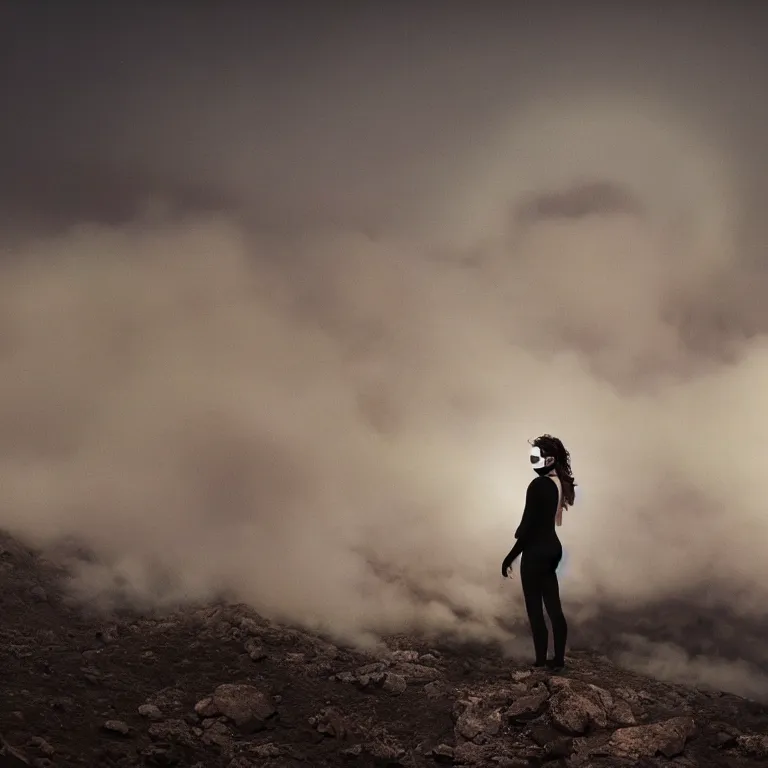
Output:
[[537, 541]]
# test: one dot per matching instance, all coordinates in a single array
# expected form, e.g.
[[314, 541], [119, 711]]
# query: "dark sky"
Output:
[[307, 111]]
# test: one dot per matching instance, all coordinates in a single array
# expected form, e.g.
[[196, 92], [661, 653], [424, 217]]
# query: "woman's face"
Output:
[[538, 460]]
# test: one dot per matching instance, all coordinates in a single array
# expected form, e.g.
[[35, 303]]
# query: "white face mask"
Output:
[[539, 462]]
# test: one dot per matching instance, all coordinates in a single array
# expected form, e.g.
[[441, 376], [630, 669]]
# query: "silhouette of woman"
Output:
[[541, 550]]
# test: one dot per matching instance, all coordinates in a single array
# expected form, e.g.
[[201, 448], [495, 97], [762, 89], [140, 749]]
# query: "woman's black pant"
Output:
[[538, 574]]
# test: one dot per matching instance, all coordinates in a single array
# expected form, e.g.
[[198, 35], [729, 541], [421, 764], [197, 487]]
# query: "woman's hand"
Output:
[[505, 566]]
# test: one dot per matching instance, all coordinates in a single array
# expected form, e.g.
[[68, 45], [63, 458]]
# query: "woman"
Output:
[[537, 541]]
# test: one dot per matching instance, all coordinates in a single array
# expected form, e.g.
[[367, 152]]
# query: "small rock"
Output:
[[325, 650], [621, 713], [246, 705], [117, 726], [667, 737], [331, 722], [251, 626], [394, 683], [599, 695], [150, 711], [474, 722], [385, 751], [527, 707], [377, 678], [442, 753], [218, 735], [377, 668], [404, 656], [574, 713], [418, 673], [205, 707], [173, 730], [265, 750], [469, 719], [255, 650]]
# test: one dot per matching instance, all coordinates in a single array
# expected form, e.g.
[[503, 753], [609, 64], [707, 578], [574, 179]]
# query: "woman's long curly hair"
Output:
[[552, 446]]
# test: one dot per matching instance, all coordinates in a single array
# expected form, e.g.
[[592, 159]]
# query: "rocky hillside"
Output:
[[221, 686]]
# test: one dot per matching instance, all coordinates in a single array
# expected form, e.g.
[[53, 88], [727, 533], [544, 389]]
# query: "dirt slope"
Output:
[[220, 686]]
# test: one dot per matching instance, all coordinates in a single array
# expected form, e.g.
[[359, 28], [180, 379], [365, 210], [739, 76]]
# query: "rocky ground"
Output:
[[220, 686]]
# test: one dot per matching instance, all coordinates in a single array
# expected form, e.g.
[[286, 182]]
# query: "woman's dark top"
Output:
[[537, 528]]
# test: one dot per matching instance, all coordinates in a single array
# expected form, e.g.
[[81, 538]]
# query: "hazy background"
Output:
[[286, 291]]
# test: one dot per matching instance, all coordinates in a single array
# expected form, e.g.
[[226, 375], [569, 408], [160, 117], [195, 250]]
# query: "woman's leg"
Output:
[[551, 597], [531, 578]]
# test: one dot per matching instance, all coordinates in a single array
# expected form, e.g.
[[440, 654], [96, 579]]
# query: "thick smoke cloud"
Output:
[[331, 425]]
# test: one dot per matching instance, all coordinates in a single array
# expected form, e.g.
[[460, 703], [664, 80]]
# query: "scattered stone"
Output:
[[150, 711], [331, 722], [387, 751], [394, 683], [474, 722], [117, 726], [527, 707], [174, 730], [621, 713], [667, 738], [574, 713], [404, 656], [247, 706], [442, 753], [367, 670], [255, 650], [555, 745], [419, 673], [265, 751], [218, 734]]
